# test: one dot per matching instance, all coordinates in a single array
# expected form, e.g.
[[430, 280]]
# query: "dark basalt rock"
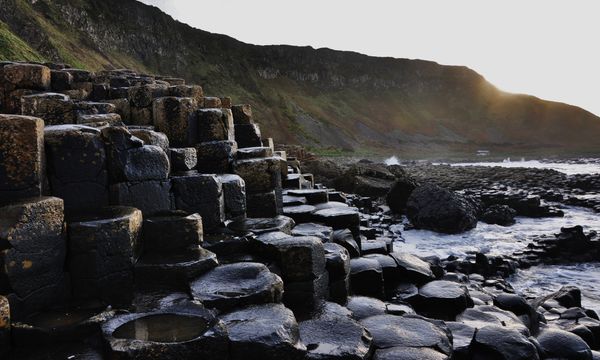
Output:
[[151, 137], [559, 344], [499, 215], [363, 307], [513, 303], [240, 284], [166, 335], [404, 353], [173, 269], [483, 315], [202, 194], [263, 225], [305, 297], [33, 250], [337, 261], [443, 299], [497, 342], [183, 159], [438, 209], [399, 193], [103, 248], [312, 197], [172, 230], [70, 324], [346, 239], [366, 277], [365, 179], [300, 213], [325, 233], [333, 336], [390, 331], [338, 218], [300, 258], [215, 156], [412, 269], [254, 152], [76, 165], [261, 174], [62, 350], [151, 197], [21, 157], [265, 332], [234, 194]]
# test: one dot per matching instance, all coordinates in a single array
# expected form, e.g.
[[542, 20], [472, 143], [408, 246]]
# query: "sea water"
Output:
[[500, 240]]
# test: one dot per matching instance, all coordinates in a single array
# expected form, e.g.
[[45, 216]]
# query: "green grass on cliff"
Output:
[[13, 48]]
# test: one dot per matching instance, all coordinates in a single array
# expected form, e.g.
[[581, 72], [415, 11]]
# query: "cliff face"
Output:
[[320, 98]]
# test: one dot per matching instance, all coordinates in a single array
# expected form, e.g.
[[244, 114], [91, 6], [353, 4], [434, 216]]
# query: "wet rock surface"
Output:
[[177, 231]]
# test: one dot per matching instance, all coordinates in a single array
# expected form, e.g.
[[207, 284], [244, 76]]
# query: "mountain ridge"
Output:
[[322, 98]]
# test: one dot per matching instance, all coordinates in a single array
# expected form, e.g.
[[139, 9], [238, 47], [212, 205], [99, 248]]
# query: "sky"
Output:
[[546, 48]]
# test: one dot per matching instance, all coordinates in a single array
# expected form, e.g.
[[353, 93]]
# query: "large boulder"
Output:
[[435, 208], [400, 191]]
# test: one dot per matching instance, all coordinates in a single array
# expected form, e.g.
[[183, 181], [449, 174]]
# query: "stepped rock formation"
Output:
[[321, 98], [141, 219]]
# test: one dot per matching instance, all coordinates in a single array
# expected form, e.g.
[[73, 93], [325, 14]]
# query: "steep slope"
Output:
[[321, 98]]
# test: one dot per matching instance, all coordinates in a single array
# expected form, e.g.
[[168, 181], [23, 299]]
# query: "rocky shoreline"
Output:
[[141, 219]]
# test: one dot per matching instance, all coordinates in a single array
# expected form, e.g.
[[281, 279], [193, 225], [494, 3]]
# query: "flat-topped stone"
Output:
[[254, 152], [300, 213], [444, 299], [390, 331], [239, 284], [312, 196], [323, 232], [268, 332], [263, 225]]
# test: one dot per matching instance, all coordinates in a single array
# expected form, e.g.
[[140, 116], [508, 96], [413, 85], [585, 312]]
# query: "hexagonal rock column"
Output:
[[215, 157], [339, 218], [236, 285], [338, 267], [172, 254], [335, 336], [4, 326], [202, 194], [366, 277], [266, 332], [234, 193], [302, 263], [21, 157], [263, 180], [103, 249], [410, 336], [248, 135], [443, 299], [166, 335], [139, 172], [76, 166], [173, 116], [32, 257], [21, 79], [54, 108], [214, 125]]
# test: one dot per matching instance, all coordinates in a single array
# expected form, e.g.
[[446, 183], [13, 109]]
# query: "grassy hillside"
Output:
[[321, 98]]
